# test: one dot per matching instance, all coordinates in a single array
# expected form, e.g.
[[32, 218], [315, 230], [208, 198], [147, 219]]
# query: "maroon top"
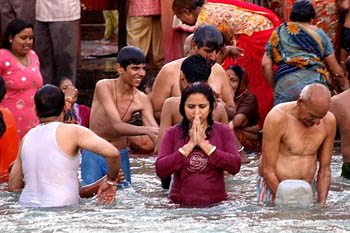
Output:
[[198, 179]]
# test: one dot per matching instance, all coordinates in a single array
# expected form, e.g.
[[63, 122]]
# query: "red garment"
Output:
[[254, 48], [8, 144], [198, 179]]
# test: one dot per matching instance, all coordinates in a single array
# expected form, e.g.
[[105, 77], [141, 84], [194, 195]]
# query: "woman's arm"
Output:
[[168, 160]]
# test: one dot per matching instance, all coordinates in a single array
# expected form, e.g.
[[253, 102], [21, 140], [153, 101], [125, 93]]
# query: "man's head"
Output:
[[131, 65], [302, 11], [49, 101], [313, 104], [195, 68], [207, 41]]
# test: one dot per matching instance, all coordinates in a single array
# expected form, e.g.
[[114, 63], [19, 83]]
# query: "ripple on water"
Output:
[[145, 208]]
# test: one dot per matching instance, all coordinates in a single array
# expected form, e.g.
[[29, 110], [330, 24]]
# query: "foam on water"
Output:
[[145, 208]]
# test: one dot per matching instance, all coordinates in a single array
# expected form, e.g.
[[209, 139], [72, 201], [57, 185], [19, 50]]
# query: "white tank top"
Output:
[[50, 175]]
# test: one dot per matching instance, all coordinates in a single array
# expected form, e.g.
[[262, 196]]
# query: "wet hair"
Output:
[[130, 55], [196, 68], [179, 5], [196, 88], [209, 36], [49, 101], [2, 94], [13, 28], [302, 11]]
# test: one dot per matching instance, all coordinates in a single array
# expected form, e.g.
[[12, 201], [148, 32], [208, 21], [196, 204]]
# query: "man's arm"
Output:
[[148, 118], [220, 113], [325, 156], [336, 70], [165, 121], [161, 90], [16, 182], [272, 134], [104, 94], [226, 91], [267, 66]]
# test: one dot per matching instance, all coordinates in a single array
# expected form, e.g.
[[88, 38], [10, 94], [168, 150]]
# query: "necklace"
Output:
[[127, 108]]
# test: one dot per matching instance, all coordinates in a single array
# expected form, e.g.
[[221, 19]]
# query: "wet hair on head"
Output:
[[12, 29], [2, 94], [179, 5], [302, 11], [196, 68], [209, 36], [130, 55], [49, 101], [197, 88]]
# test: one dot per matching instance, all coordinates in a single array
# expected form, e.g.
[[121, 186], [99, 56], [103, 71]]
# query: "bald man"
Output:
[[297, 135]]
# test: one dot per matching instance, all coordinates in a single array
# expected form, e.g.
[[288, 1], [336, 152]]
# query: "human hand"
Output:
[[71, 93], [152, 132], [106, 193], [121, 178], [234, 51]]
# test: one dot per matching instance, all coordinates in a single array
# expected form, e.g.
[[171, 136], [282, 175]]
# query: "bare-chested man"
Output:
[[296, 135], [207, 42], [340, 108], [114, 102], [194, 68]]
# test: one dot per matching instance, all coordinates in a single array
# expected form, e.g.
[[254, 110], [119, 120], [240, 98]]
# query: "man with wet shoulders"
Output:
[[113, 104], [207, 42], [194, 68], [340, 108], [296, 136], [48, 160]]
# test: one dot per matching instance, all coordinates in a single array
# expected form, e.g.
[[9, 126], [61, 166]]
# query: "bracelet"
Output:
[[111, 183], [241, 149], [212, 149], [68, 99]]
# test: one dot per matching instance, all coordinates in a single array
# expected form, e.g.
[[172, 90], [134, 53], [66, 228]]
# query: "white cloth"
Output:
[[57, 10], [294, 193], [50, 176]]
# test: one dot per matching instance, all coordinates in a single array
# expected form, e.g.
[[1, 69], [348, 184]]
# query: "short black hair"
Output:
[[2, 88], [130, 55], [12, 29], [49, 101], [196, 68], [302, 11], [2, 94], [209, 36]]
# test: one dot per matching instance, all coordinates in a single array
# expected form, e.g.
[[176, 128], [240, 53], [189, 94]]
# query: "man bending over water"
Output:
[[48, 162], [296, 135]]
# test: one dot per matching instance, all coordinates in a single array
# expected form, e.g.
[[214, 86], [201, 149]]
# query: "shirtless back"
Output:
[[167, 81], [296, 135]]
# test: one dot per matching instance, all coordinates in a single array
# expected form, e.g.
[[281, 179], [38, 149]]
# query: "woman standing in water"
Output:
[[198, 151]]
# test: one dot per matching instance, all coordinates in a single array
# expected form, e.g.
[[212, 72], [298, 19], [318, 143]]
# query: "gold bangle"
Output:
[[68, 99]]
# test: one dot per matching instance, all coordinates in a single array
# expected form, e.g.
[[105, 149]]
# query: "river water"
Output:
[[145, 208]]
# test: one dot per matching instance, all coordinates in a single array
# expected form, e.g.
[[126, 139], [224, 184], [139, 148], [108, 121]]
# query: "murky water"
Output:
[[145, 208]]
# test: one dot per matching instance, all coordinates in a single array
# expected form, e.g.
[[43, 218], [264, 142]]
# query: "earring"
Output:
[[10, 41]]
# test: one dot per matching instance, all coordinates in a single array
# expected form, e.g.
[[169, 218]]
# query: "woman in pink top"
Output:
[[198, 151], [19, 66]]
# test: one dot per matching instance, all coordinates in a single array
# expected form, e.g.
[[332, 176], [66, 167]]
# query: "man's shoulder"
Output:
[[104, 82], [173, 65]]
